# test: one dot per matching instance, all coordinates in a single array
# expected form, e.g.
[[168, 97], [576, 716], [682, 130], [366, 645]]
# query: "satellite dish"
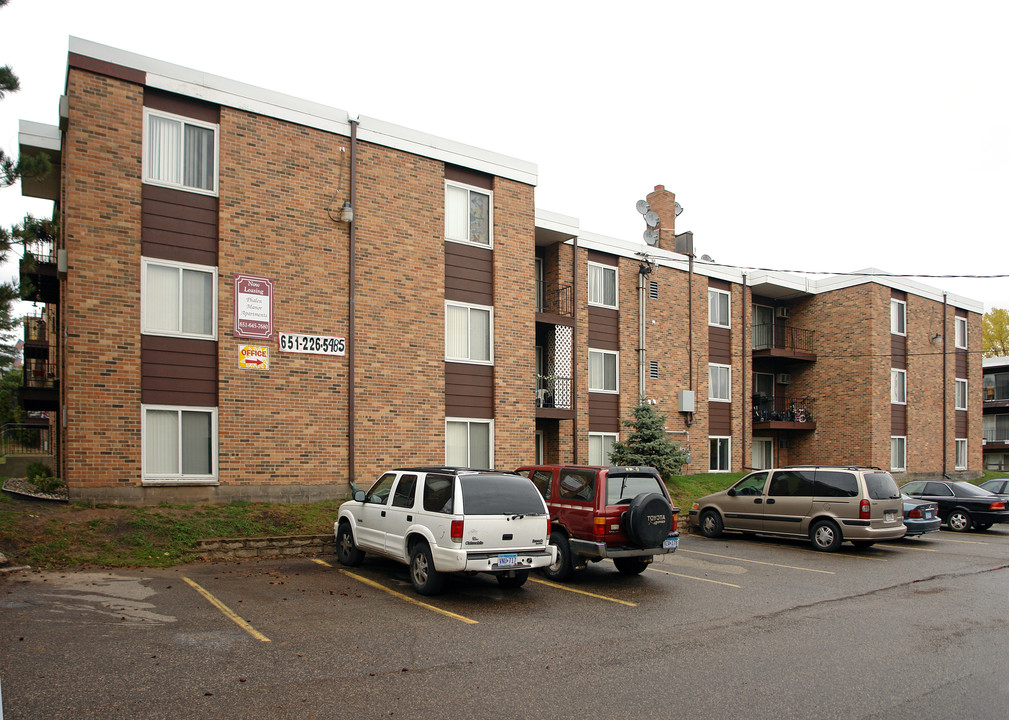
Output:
[[707, 258], [651, 236], [651, 218], [678, 209], [643, 206]]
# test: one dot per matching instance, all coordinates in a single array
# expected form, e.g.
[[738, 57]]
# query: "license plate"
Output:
[[670, 543], [890, 515], [929, 515], [509, 560]]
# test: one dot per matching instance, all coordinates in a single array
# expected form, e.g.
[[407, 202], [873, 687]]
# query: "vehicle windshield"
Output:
[[500, 495], [881, 486], [624, 488]]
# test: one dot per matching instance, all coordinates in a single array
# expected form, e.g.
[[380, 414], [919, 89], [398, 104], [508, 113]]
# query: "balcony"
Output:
[[36, 337], [783, 412], [555, 299], [40, 385], [783, 341], [995, 439], [39, 273]]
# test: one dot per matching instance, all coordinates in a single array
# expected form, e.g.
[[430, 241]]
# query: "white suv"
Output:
[[441, 520]]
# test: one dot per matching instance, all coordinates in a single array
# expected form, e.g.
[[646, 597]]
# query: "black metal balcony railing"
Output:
[[21, 439], [556, 298], [998, 435], [783, 337], [40, 251], [35, 329], [39, 373], [554, 392], [783, 409]]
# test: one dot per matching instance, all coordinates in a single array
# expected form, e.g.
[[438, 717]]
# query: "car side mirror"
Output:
[[359, 496], [731, 492]]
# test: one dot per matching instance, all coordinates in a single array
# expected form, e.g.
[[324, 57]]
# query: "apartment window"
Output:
[[898, 386], [469, 333], [178, 299], [720, 383], [961, 394], [603, 371], [179, 444], [718, 308], [960, 332], [718, 454], [469, 443], [898, 453], [468, 214], [600, 447], [961, 454], [602, 285], [898, 317], [180, 152]]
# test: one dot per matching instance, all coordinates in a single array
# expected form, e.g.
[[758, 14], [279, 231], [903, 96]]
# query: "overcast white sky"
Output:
[[808, 136]]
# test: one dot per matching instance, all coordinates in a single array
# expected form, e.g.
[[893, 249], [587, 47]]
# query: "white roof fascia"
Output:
[[995, 362], [904, 284], [231, 93], [548, 220], [798, 283], [39, 135], [663, 258]]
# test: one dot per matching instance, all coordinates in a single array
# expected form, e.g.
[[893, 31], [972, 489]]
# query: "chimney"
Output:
[[663, 203]]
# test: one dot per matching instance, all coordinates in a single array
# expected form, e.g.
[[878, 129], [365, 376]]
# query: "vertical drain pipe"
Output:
[[945, 405], [352, 291], [575, 350]]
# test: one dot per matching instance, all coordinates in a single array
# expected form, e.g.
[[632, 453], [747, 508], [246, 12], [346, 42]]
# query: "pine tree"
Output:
[[649, 444]]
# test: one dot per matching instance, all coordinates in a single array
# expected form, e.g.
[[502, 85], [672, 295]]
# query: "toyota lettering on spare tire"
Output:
[[597, 513]]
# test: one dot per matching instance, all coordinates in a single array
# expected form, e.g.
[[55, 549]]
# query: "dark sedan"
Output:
[[999, 487], [962, 505], [920, 516]]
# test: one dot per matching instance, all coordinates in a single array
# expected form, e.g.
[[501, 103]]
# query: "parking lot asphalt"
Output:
[[758, 627]]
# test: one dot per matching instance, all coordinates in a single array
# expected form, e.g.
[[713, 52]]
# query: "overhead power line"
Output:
[[850, 274]]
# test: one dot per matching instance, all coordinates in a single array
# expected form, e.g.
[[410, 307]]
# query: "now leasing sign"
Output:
[[253, 307]]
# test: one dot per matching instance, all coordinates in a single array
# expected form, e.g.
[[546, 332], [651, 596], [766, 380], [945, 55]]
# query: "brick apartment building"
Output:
[[995, 388], [257, 297]]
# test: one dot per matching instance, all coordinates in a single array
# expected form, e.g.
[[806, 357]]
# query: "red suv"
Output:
[[622, 513]]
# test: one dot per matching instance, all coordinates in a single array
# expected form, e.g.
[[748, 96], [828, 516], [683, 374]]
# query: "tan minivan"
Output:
[[826, 504]]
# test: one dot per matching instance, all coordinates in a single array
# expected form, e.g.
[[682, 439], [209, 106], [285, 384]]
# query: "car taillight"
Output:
[[916, 514], [676, 521], [599, 526], [997, 505], [863, 510], [456, 531]]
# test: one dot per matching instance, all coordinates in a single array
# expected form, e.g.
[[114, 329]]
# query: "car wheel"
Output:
[[346, 551], [981, 527], [959, 521], [648, 520], [563, 568], [632, 565], [862, 544], [426, 580], [711, 524], [825, 535], [514, 579]]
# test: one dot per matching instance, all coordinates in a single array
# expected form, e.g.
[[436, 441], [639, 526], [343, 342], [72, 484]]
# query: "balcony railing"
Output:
[[783, 409], [783, 337], [21, 439], [39, 373], [998, 435], [553, 392], [555, 298]]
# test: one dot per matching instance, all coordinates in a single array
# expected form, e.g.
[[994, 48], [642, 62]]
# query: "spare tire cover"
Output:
[[648, 520]]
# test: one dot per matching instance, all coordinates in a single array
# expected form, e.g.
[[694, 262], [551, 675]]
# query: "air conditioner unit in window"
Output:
[[784, 378], [781, 312]]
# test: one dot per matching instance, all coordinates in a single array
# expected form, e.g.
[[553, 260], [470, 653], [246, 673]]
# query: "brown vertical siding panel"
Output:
[[719, 418], [469, 177], [180, 105], [604, 328], [898, 419], [178, 225], [898, 352], [962, 425], [603, 258], [178, 371], [469, 274], [720, 345], [604, 412], [469, 390]]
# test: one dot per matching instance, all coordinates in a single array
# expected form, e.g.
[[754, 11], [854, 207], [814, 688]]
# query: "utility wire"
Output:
[[849, 274]]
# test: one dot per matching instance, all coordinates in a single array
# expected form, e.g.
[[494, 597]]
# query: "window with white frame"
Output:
[[178, 299], [469, 443], [180, 152], [960, 332], [179, 444], [960, 397], [600, 447], [602, 285], [469, 333], [718, 307], [603, 371], [898, 386], [719, 454], [469, 214], [961, 454], [719, 383], [898, 317], [898, 453]]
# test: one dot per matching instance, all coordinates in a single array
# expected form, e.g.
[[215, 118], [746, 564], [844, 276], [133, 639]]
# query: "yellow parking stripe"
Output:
[[582, 592], [232, 615], [401, 596], [833, 554], [962, 542], [691, 577], [757, 562]]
